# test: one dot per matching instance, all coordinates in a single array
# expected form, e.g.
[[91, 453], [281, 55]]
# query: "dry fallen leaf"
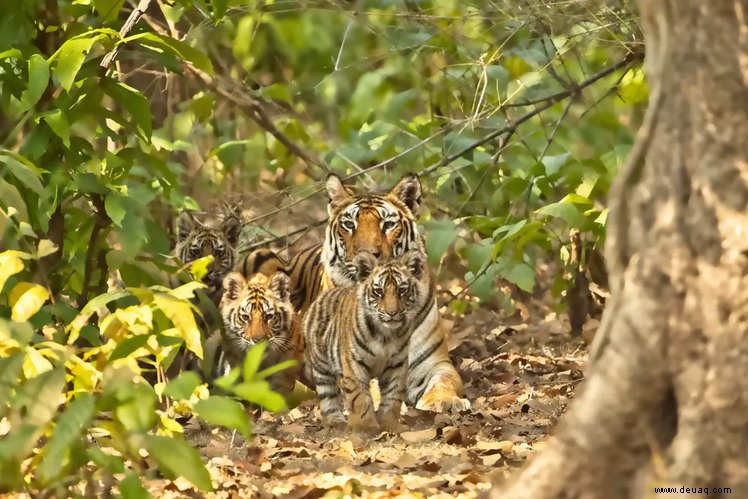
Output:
[[419, 436]]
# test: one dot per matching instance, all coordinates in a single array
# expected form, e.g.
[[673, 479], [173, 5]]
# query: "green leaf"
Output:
[[70, 56], [10, 369], [554, 163], [58, 122], [23, 170], [178, 458], [134, 103], [517, 272], [259, 392], [68, 429], [180, 49], [439, 236], [128, 346], [137, 410], [132, 488], [565, 211], [183, 386], [108, 9], [12, 200], [115, 207], [38, 81], [281, 366], [226, 381], [226, 412], [253, 359], [219, 9], [26, 298]]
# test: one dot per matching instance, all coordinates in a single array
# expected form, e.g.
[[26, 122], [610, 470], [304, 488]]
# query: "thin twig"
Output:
[[272, 240], [256, 113], [134, 17], [547, 103], [101, 220]]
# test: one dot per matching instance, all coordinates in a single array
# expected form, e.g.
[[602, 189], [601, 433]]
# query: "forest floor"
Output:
[[519, 375]]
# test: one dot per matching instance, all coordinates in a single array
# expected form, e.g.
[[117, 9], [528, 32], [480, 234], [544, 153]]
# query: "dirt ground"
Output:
[[519, 375]]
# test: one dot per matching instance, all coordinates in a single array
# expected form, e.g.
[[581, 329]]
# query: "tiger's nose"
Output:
[[376, 253]]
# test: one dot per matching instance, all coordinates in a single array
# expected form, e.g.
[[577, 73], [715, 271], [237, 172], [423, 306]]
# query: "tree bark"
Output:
[[665, 403]]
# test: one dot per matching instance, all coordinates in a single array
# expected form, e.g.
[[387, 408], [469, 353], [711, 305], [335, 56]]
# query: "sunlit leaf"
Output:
[[23, 170], [259, 392], [35, 363], [26, 299], [253, 359], [45, 248], [180, 314], [178, 48], [58, 122], [281, 366], [11, 263], [38, 81], [182, 387], [69, 58]]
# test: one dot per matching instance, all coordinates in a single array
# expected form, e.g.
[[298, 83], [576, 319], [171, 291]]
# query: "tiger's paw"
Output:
[[442, 398], [389, 420], [368, 426]]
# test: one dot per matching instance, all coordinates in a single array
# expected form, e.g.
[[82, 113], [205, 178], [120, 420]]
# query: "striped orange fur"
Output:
[[357, 333]]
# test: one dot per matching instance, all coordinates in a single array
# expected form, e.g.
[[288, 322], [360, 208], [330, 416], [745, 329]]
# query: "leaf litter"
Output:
[[519, 375]]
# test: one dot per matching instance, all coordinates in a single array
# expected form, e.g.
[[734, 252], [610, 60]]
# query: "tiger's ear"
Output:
[[408, 191], [233, 285], [231, 227], [416, 263], [185, 224], [364, 263], [338, 194], [280, 285]]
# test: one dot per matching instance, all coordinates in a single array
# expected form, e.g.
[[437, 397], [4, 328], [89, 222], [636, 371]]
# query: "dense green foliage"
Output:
[[516, 115]]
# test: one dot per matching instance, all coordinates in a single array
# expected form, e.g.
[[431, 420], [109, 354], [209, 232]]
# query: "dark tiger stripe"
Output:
[[426, 354]]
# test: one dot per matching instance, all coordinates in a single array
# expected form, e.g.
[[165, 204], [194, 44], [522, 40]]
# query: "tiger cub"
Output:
[[217, 235], [354, 334], [258, 309]]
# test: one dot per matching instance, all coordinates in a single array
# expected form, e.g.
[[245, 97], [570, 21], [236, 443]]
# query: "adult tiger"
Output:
[[384, 225]]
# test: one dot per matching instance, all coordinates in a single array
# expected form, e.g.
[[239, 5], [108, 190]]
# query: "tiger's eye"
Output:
[[388, 225], [347, 225]]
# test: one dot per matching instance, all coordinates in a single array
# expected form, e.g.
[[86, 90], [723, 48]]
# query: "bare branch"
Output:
[[134, 17], [236, 95]]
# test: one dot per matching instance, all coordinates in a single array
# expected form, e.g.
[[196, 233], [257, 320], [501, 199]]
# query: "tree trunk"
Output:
[[665, 403]]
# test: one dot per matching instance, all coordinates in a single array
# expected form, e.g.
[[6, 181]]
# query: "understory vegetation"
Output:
[[115, 115]]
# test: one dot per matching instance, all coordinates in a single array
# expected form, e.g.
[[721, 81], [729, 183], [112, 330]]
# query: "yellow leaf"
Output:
[[170, 426], [26, 299], [45, 248], [11, 263], [179, 312], [85, 376], [137, 318], [199, 267], [34, 364]]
